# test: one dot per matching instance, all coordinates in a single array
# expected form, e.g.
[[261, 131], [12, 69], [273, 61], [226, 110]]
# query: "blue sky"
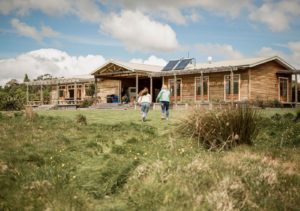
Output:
[[73, 37]]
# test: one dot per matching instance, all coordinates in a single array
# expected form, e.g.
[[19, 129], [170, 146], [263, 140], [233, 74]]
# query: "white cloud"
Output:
[[268, 52], [46, 31], [140, 32], [85, 9], [181, 12], [276, 15], [29, 31], [23, 7], [26, 30], [293, 57], [218, 51], [153, 60], [52, 61], [295, 49]]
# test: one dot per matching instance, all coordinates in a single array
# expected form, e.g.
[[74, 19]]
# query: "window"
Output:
[[172, 88], [178, 89], [61, 93], [199, 86], [236, 87]]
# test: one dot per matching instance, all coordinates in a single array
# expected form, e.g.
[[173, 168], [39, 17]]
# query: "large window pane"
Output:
[[236, 86]]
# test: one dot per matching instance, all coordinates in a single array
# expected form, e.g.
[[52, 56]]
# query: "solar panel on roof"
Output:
[[182, 64], [170, 65]]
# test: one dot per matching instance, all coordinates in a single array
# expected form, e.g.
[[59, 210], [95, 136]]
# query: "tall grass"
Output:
[[221, 129], [54, 163]]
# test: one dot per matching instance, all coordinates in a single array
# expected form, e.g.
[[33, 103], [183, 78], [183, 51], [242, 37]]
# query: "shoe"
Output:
[[163, 117], [144, 119]]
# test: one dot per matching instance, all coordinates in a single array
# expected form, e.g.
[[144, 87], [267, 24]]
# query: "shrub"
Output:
[[87, 103], [221, 129], [81, 119], [297, 117]]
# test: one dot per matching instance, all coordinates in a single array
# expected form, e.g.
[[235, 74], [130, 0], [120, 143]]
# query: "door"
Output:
[[283, 89]]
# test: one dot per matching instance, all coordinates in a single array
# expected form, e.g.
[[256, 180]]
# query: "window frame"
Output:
[[169, 84], [196, 88], [239, 86]]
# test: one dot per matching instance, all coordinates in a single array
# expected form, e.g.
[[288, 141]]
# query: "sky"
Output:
[[74, 37]]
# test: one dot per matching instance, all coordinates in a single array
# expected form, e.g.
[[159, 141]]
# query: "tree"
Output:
[[26, 78]]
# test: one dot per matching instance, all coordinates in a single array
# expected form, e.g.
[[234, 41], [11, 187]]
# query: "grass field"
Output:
[[116, 162]]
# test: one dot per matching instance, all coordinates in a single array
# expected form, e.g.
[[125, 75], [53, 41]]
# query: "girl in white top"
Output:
[[144, 100]]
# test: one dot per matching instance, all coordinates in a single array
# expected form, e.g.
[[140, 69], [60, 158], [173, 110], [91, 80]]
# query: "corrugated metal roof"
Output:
[[250, 62]]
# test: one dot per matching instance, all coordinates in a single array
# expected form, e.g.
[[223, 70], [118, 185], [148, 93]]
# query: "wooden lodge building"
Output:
[[264, 79], [255, 79]]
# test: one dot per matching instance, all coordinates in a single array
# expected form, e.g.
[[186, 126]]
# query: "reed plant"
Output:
[[221, 128]]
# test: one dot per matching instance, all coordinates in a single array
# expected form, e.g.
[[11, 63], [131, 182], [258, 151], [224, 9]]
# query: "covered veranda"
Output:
[[63, 91], [132, 78]]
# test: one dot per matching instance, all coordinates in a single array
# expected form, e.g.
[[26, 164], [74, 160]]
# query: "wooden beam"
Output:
[[136, 85], [57, 92], [41, 95], [75, 93], [151, 87], [175, 89], [231, 87], [120, 91], [96, 89]]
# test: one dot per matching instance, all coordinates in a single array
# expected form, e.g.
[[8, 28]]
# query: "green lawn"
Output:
[[117, 162]]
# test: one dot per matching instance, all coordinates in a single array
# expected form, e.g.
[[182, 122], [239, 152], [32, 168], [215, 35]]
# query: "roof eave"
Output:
[[277, 58], [111, 62]]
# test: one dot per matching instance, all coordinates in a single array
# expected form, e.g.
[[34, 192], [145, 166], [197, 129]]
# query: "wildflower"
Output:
[[62, 165]]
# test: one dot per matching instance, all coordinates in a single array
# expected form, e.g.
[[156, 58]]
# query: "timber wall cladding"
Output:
[[264, 81], [244, 84], [107, 87]]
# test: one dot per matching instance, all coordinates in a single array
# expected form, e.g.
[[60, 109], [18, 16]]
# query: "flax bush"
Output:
[[221, 129], [81, 119]]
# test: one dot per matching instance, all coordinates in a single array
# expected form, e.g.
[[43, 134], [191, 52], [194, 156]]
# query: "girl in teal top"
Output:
[[164, 98]]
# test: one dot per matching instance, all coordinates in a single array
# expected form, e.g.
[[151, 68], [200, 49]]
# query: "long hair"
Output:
[[144, 92]]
